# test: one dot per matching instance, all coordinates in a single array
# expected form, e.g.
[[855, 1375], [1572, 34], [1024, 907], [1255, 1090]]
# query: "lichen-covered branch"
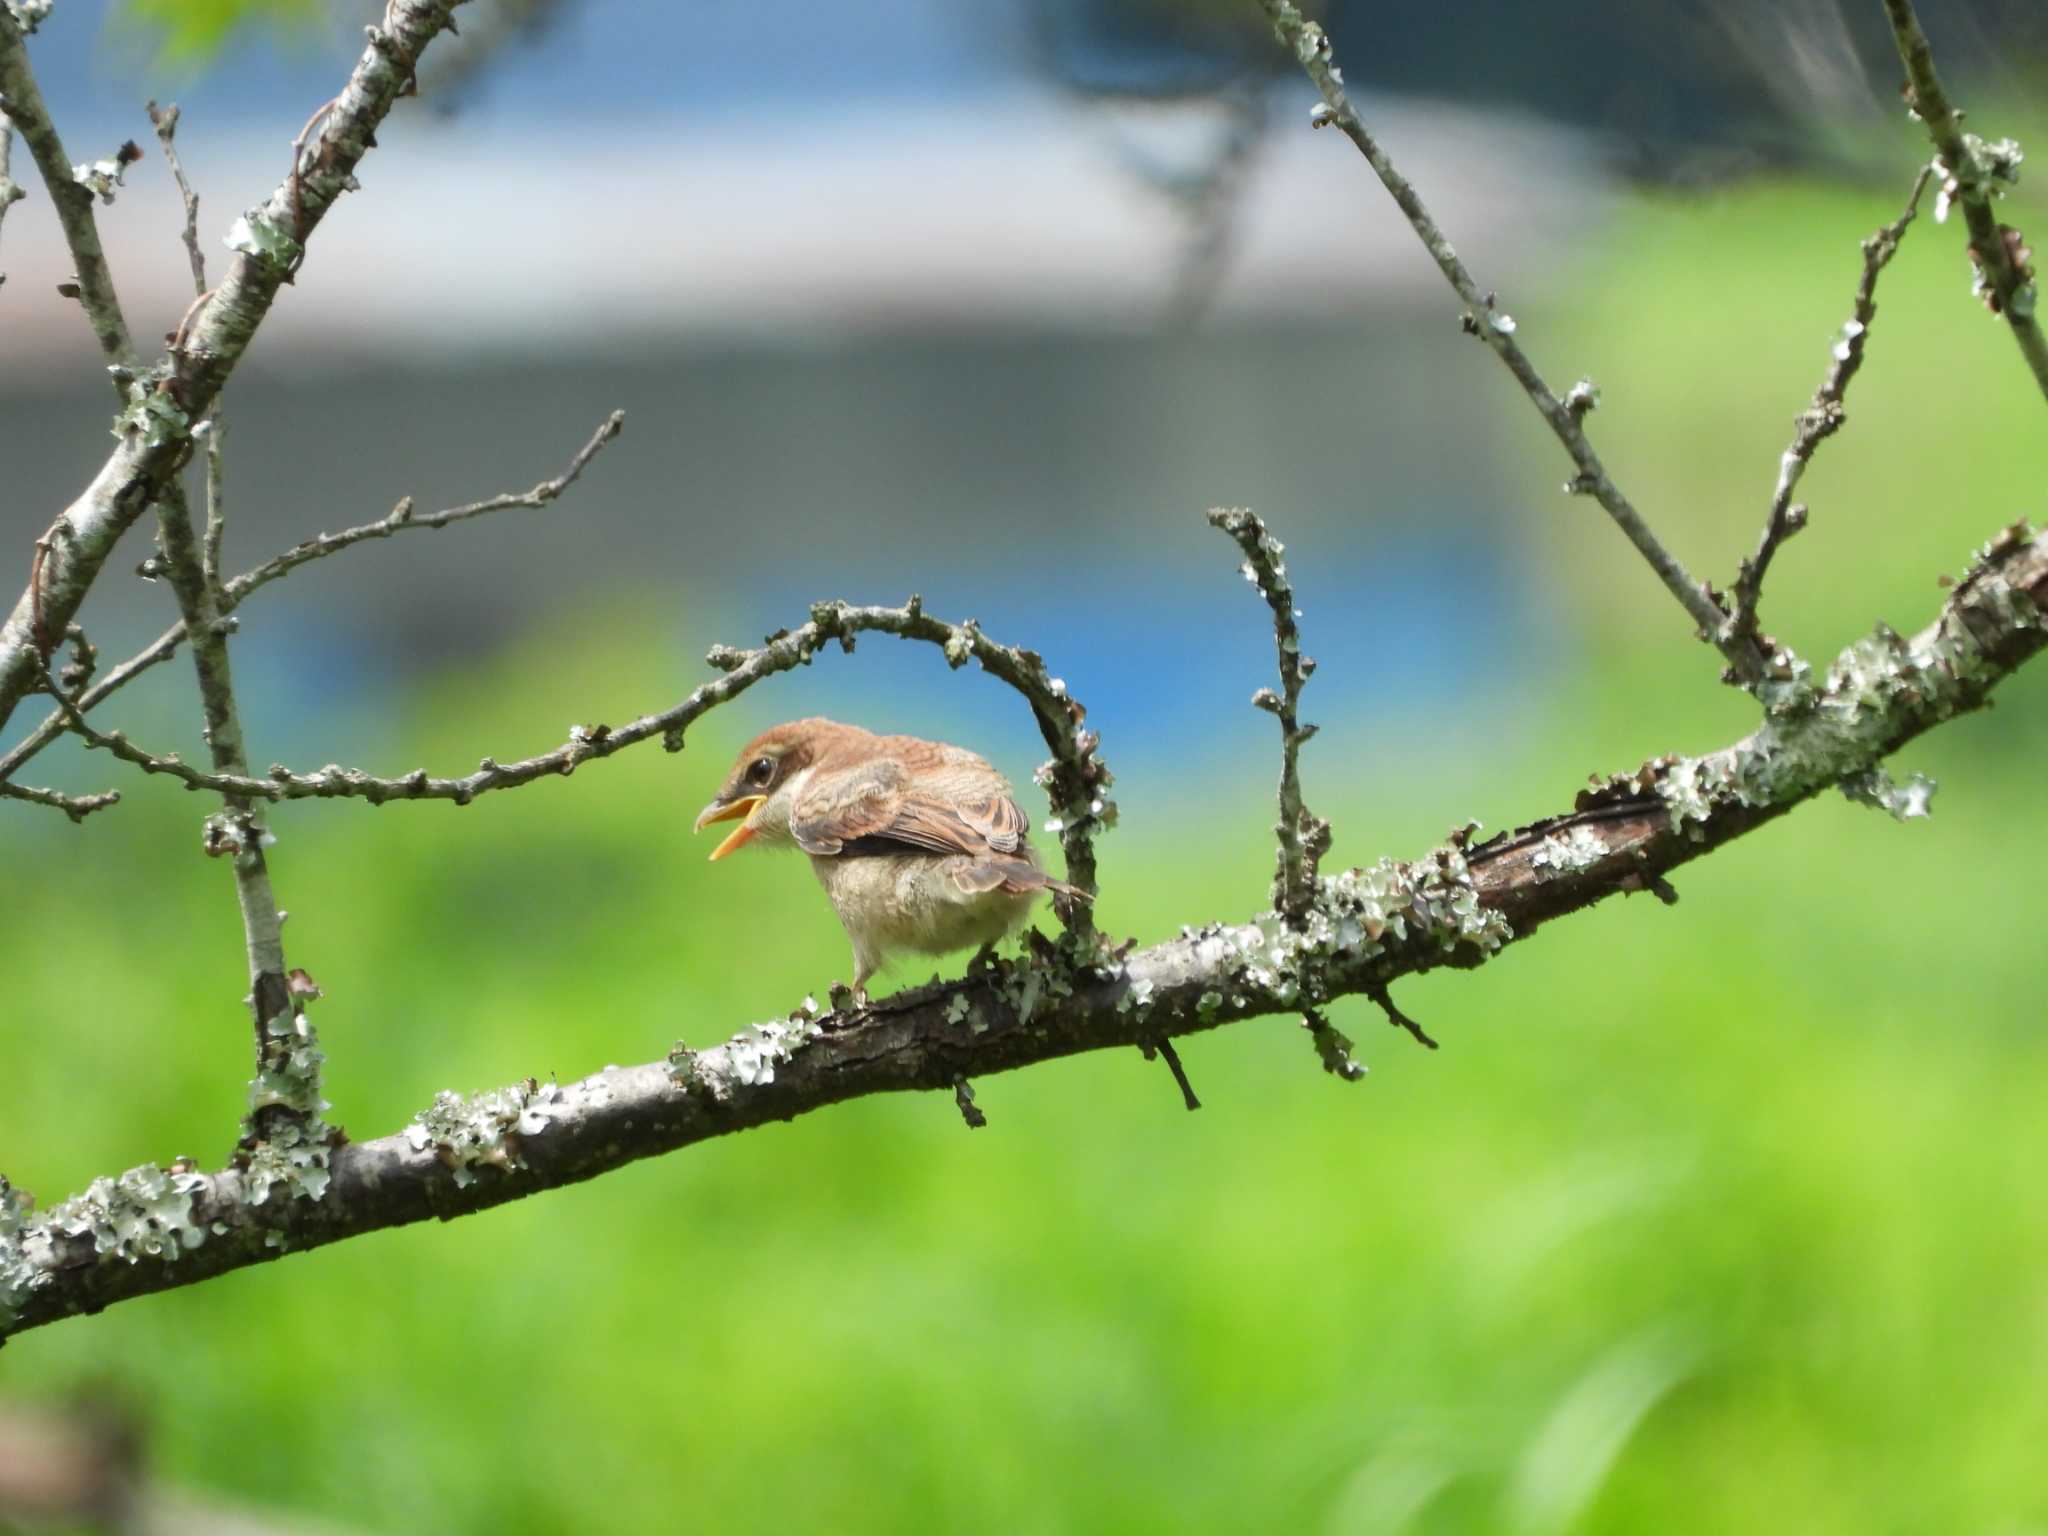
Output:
[[284, 1132], [233, 591], [1311, 45], [155, 430], [70, 195], [1820, 420], [10, 190], [154, 1228], [1303, 838], [1076, 778], [1974, 171]]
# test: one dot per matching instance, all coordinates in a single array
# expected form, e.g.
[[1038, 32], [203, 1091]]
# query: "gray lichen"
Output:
[[749, 1058], [287, 1151], [29, 14], [1988, 167], [1875, 787], [1837, 733], [146, 1213], [485, 1130], [1361, 915], [17, 1275], [101, 177], [151, 415], [255, 234], [1567, 853]]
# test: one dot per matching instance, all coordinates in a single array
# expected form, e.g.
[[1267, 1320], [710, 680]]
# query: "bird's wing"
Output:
[[880, 807]]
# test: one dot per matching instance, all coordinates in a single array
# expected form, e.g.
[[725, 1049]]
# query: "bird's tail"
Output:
[[1015, 877]]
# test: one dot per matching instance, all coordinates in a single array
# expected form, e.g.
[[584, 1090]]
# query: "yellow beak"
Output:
[[745, 806]]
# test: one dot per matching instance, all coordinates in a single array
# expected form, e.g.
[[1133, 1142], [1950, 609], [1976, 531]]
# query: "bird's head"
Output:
[[761, 787]]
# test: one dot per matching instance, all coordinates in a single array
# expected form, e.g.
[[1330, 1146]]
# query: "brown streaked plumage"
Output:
[[918, 844]]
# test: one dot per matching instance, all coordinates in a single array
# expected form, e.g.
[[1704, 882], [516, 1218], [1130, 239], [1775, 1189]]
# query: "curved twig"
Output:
[[1076, 779]]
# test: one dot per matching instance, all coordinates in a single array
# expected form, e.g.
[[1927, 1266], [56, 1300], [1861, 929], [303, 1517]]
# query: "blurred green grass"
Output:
[[1714, 1219]]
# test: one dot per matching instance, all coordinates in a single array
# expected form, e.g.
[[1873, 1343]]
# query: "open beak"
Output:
[[745, 806]]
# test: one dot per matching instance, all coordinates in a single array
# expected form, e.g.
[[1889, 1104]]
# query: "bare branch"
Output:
[[1304, 839], [1822, 419], [237, 588], [77, 807], [165, 121], [1973, 173], [402, 517], [154, 430], [152, 1229], [1310, 44]]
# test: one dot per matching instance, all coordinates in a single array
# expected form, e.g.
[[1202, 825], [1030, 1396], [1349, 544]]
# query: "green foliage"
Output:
[[193, 31], [1717, 1219]]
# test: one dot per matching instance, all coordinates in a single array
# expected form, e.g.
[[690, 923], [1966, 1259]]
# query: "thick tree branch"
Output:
[[1310, 44], [152, 1229], [155, 430], [401, 519], [1974, 172], [1822, 419]]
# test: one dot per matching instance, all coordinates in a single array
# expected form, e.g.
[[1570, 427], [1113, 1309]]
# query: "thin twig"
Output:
[[285, 1103], [1180, 1074], [1972, 171], [1310, 44], [77, 807], [1822, 419], [216, 502], [402, 517], [166, 124], [237, 588], [1379, 994], [165, 121], [1304, 838]]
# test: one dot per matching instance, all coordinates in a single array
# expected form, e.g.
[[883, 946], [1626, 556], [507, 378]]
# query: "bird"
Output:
[[919, 845]]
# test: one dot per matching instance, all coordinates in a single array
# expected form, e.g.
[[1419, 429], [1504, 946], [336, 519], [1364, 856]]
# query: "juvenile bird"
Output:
[[918, 844]]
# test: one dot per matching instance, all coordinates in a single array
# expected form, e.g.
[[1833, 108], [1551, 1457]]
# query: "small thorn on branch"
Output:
[[1380, 995], [1180, 1076], [1333, 1046], [963, 1095]]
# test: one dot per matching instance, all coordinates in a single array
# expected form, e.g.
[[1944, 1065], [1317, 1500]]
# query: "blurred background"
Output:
[[1710, 1219]]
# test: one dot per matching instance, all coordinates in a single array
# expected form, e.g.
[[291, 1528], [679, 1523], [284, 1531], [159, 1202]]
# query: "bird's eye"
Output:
[[761, 770]]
